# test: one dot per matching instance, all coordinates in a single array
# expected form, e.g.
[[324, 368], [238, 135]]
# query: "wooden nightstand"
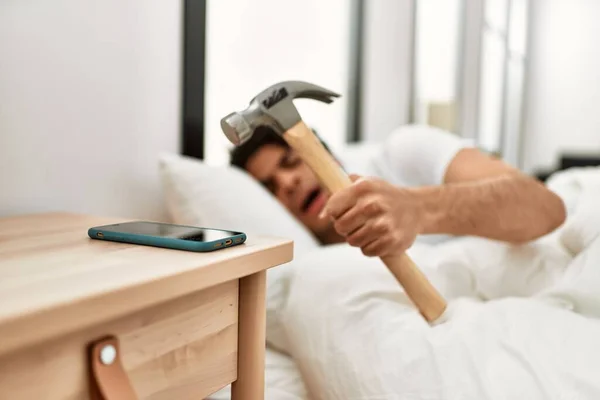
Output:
[[187, 323]]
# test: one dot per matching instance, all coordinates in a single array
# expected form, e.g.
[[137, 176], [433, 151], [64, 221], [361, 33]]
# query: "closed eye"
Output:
[[289, 160]]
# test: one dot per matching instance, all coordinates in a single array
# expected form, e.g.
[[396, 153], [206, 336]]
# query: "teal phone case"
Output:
[[99, 233]]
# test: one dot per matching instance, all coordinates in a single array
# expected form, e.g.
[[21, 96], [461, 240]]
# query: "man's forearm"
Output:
[[512, 208]]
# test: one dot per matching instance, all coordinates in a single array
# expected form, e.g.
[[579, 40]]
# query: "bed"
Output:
[[523, 320]]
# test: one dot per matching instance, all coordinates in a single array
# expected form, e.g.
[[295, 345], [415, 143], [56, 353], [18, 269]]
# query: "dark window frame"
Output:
[[193, 78]]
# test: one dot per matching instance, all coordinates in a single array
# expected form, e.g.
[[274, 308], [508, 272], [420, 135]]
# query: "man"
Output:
[[424, 181]]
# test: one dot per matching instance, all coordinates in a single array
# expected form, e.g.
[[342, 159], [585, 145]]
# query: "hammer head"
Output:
[[273, 107]]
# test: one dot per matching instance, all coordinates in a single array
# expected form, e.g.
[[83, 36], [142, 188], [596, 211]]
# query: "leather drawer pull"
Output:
[[107, 378]]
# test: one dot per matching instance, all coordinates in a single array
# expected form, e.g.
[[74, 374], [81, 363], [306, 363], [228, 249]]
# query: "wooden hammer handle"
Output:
[[421, 292]]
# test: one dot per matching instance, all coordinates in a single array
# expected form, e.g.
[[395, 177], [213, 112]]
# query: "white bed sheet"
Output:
[[523, 321]]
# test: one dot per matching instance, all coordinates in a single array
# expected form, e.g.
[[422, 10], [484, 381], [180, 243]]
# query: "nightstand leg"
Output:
[[250, 383]]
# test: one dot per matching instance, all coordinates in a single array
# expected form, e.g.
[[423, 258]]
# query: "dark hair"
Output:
[[263, 135]]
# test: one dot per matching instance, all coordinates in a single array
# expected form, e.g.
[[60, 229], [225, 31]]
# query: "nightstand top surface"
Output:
[[55, 279]]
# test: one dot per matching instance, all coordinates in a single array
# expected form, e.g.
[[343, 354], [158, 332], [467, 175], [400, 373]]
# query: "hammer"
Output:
[[274, 107]]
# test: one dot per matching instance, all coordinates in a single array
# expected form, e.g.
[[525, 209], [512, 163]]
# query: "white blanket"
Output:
[[522, 320]]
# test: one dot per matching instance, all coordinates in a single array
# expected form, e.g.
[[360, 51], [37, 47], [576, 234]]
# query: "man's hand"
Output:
[[376, 216]]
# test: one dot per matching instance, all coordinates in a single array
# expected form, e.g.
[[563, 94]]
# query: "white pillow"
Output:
[[228, 198], [357, 157]]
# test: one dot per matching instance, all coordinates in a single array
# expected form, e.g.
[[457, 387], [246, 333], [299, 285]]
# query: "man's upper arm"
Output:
[[470, 164]]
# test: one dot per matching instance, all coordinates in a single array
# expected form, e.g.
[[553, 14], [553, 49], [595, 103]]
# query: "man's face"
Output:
[[294, 184]]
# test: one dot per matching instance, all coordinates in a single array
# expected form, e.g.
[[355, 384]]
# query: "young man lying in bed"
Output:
[[423, 181]]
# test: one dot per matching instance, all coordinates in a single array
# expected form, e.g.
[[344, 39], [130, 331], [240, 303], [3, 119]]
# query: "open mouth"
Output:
[[312, 196]]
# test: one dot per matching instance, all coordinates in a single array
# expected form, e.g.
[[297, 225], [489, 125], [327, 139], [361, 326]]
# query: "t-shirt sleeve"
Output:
[[417, 155]]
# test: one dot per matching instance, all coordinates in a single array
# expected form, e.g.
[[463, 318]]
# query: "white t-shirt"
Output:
[[411, 156]]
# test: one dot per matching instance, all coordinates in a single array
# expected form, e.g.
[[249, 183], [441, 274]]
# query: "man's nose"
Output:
[[288, 181]]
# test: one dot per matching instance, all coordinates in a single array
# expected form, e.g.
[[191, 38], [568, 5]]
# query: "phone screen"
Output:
[[171, 231]]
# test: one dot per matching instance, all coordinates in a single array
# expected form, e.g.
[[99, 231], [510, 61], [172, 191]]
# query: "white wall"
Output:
[[89, 96], [252, 44], [563, 101]]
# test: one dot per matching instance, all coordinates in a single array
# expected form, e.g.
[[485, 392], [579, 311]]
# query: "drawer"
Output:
[[182, 349]]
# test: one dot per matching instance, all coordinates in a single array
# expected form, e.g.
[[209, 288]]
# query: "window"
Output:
[[437, 51], [256, 43], [503, 62], [469, 70]]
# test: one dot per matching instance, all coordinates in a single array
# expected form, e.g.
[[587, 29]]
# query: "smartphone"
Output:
[[179, 237]]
